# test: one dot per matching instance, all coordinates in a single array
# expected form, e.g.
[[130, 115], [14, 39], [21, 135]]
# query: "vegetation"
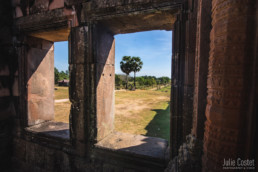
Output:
[[142, 82], [126, 67], [130, 64], [60, 75], [136, 67]]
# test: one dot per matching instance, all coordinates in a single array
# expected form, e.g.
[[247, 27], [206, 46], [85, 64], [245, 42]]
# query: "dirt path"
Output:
[[61, 100]]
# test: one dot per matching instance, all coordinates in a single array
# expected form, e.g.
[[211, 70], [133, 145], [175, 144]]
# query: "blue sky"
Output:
[[153, 47]]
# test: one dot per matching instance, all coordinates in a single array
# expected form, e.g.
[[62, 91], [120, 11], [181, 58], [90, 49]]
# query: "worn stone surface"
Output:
[[40, 76], [135, 144], [201, 70], [188, 158], [8, 76], [104, 60], [229, 82], [54, 129], [184, 38]]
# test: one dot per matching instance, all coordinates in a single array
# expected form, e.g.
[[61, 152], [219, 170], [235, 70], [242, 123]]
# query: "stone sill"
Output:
[[56, 130], [137, 147]]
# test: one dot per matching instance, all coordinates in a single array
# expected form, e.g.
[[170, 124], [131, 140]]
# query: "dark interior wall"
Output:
[[183, 63], [8, 82], [201, 70], [189, 66]]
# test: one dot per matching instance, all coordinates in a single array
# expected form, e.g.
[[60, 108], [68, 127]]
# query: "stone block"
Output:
[[105, 99], [105, 46], [78, 45], [77, 83], [40, 75], [16, 3], [78, 121], [39, 6], [56, 4], [18, 12], [15, 87], [4, 91], [111, 168], [138, 145], [4, 70]]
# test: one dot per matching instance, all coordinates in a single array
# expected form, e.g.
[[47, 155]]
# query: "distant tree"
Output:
[[136, 66], [140, 81], [60, 75], [148, 82], [63, 75], [126, 66], [56, 75], [118, 80], [153, 81]]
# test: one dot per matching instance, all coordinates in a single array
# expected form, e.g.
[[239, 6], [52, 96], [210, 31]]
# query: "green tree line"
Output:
[[59, 76], [141, 81]]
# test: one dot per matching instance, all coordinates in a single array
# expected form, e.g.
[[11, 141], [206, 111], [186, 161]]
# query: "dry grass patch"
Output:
[[62, 111], [144, 112], [61, 93]]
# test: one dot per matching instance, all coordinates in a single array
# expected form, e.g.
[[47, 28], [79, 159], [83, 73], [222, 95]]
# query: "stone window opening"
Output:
[[145, 110], [103, 55], [62, 102], [91, 66], [41, 102]]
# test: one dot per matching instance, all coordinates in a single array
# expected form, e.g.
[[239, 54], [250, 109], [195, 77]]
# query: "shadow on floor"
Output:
[[159, 126]]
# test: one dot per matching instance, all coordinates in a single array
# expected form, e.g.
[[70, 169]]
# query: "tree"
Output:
[[140, 81], [60, 75], [56, 75], [136, 66], [126, 66], [118, 80], [63, 75], [153, 81]]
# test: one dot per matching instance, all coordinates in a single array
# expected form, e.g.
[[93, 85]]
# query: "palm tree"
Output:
[[126, 67], [137, 66]]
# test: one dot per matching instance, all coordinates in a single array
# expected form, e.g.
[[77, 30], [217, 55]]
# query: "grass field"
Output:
[[62, 110], [144, 112], [61, 93]]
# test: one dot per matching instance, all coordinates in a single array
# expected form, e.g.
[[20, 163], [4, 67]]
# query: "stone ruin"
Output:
[[213, 95]]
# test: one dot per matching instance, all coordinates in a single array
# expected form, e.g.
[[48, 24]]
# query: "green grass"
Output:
[[165, 89]]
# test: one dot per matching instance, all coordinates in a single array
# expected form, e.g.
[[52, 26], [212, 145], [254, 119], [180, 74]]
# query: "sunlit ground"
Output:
[[144, 112]]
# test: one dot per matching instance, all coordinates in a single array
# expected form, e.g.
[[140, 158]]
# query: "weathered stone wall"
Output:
[[8, 83], [201, 70], [90, 27], [229, 82], [23, 8], [184, 38], [40, 80], [91, 65], [104, 65]]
